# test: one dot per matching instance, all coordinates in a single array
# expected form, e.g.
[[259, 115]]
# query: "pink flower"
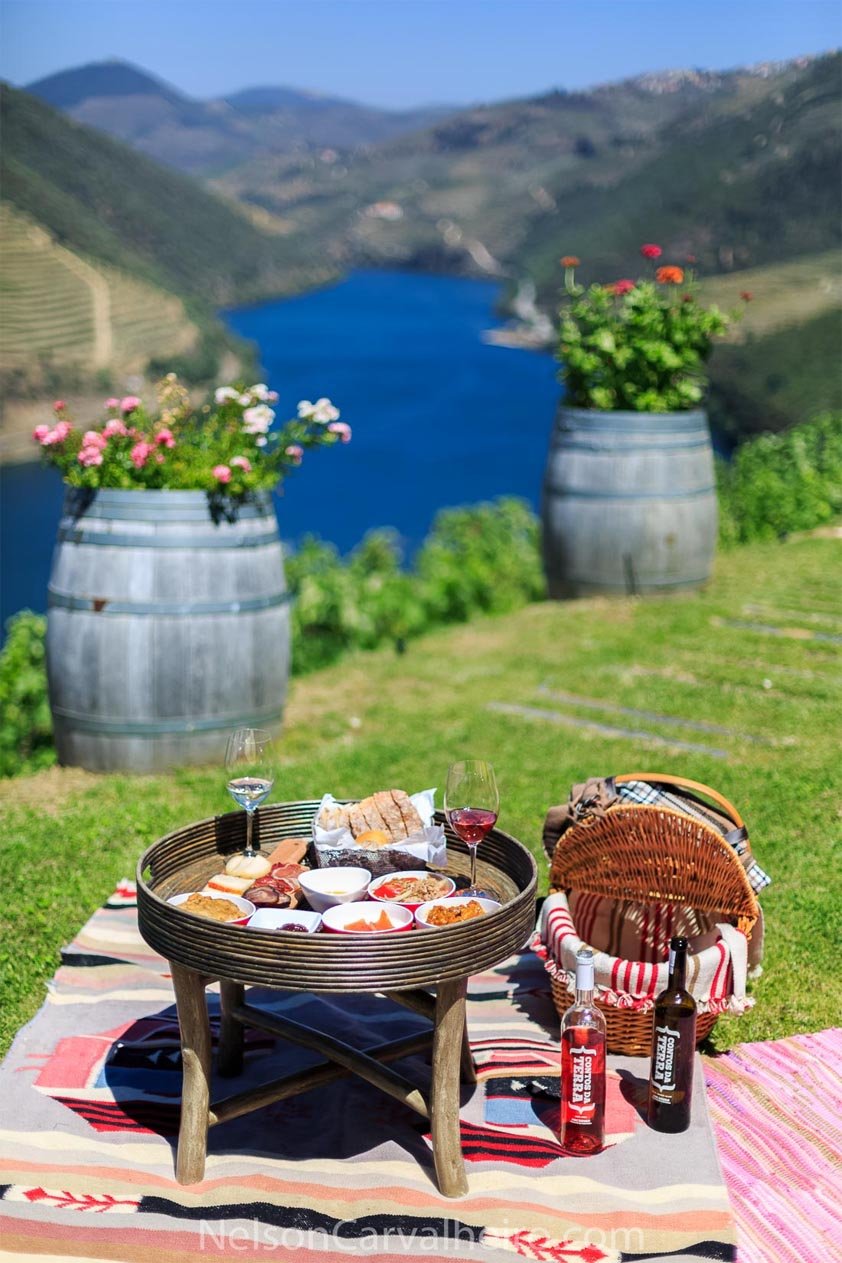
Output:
[[651, 252], [129, 403], [112, 403], [61, 431], [242, 462], [114, 426], [295, 453], [59, 405], [621, 287], [165, 438], [221, 473], [93, 438], [40, 433], [140, 453], [342, 429], [159, 458], [90, 456], [271, 396]]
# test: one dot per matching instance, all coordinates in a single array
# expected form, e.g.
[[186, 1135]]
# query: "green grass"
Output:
[[378, 719]]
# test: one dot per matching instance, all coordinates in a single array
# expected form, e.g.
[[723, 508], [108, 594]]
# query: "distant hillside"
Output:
[[755, 179], [207, 137], [109, 261], [97, 196]]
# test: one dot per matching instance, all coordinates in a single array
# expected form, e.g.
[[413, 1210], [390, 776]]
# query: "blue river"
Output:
[[439, 417]]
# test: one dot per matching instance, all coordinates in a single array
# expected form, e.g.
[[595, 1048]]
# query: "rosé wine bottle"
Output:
[[583, 1066]]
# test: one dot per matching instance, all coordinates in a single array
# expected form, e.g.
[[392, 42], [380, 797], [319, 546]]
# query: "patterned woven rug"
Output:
[[90, 1099]]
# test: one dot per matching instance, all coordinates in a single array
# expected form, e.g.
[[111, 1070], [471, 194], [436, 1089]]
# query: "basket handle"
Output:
[[681, 782]]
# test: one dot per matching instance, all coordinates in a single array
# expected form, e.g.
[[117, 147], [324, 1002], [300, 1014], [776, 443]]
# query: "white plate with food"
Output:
[[227, 909], [454, 911], [367, 918], [411, 888]]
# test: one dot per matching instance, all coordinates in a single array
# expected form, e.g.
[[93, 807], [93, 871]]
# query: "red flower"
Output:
[[59, 405], [669, 276], [691, 258], [620, 287], [569, 261], [746, 295], [651, 252]]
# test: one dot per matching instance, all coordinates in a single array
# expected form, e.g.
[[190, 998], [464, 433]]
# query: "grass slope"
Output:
[[378, 719]]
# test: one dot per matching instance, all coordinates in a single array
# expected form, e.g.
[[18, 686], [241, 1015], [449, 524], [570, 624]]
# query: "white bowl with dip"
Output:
[[327, 887]]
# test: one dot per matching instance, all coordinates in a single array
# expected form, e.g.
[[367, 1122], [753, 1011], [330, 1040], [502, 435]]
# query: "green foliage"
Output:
[[639, 346], [486, 558], [26, 735], [780, 483], [224, 447], [777, 380], [483, 559]]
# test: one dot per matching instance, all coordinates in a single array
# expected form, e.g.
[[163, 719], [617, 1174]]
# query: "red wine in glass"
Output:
[[471, 802]]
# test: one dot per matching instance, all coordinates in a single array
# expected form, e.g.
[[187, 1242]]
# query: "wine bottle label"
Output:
[[664, 1059], [582, 1104]]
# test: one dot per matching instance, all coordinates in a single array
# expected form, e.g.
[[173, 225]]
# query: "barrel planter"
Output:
[[167, 626], [629, 502]]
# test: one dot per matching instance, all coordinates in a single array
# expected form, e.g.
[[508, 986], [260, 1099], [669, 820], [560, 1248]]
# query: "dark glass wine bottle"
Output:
[[583, 1066], [673, 1048]]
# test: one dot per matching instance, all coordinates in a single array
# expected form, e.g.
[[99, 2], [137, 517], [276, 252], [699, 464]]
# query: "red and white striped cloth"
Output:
[[716, 965]]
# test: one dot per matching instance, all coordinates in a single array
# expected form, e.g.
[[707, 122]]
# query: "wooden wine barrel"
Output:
[[167, 626], [629, 502]]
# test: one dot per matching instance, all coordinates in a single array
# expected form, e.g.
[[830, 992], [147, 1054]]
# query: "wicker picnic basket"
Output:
[[659, 855]]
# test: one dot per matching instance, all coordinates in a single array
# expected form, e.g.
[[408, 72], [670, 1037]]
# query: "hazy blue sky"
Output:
[[407, 52]]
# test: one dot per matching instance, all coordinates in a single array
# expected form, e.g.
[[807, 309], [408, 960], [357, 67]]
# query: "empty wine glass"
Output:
[[251, 775], [471, 802]]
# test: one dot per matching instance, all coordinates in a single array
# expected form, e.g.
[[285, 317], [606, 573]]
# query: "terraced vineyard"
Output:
[[57, 307]]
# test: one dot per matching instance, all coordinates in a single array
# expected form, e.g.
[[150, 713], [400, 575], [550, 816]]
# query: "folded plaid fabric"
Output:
[[656, 795]]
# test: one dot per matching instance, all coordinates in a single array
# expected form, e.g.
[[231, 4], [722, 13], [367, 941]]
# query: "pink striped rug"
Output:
[[776, 1107]]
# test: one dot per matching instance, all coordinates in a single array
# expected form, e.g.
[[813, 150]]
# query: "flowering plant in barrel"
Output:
[[629, 501], [640, 345], [225, 446]]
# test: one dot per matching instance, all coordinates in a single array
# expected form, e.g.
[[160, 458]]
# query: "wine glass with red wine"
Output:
[[471, 803]]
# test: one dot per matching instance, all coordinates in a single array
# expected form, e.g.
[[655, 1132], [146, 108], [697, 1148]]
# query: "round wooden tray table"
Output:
[[400, 966]]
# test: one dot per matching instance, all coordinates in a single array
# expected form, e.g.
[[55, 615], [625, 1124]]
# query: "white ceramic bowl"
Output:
[[246, 906], [488, 906], [379, 882], [277, 918], [327, 887], [337, 919]]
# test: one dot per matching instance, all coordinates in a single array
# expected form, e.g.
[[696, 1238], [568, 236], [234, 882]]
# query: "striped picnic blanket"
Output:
[[90, 1098]]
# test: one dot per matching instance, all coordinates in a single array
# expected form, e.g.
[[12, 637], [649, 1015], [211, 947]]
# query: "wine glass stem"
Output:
[[249, 828], [473, 850]]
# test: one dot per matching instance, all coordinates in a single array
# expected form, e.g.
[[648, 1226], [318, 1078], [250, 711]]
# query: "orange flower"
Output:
[[570, 261], [620, 287], [669, 276]]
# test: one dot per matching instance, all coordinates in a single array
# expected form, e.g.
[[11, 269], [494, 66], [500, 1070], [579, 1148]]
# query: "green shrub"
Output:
[[484, 559], [779, 483], [26, 738]]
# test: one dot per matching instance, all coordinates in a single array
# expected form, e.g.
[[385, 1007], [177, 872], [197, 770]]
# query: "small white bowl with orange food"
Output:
[[454, 911], [411, 888], [367, 918]]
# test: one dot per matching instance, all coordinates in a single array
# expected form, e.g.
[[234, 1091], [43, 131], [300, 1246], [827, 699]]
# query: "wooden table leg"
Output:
[[229, 1052], [444, 1094], [468, 1067], [196, 1063]]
